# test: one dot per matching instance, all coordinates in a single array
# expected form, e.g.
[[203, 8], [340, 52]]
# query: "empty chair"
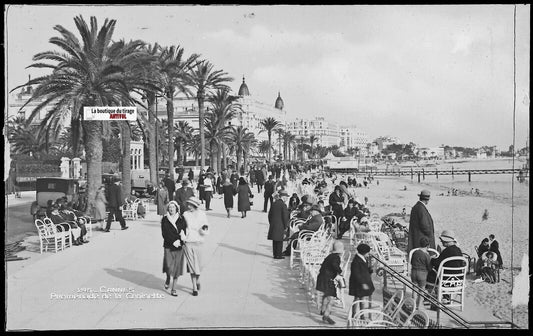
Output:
[[364, 316], [419, 320], [49, 236], [404, 313]]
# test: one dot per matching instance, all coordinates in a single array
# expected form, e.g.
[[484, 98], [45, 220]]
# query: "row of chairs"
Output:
[[399, 312]]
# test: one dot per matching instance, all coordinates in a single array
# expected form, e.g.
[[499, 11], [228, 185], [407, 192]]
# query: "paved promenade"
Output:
[[120, 275]]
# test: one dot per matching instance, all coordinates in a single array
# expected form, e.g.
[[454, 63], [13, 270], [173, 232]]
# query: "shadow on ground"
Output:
[[245, 251]]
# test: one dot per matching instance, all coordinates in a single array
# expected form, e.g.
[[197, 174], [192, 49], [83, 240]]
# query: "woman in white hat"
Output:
[[197, 228], [447, 239], [329, 276]]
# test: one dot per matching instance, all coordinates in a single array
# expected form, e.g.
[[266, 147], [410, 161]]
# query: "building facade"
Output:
[[352, 137], [327, 132]]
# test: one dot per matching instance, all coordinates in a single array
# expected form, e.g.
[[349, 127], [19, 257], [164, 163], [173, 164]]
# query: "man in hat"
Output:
[[182, 194], [278, 219], [447, 239], [420, 223], [270, 186], [171, 186], [114, 204], [314, 221]]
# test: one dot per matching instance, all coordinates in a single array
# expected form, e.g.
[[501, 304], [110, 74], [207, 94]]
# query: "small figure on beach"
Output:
[[421, 223], [404, 187], [485, 215], [477, 192], [404, 212]]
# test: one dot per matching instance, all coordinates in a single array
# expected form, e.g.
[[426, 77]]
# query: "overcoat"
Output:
[[243, 198], [420, 225], [359, 275], [278, 219], [114, 199]]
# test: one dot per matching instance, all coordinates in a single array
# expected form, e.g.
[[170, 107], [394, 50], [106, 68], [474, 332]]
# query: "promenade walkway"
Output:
[[242, 285]]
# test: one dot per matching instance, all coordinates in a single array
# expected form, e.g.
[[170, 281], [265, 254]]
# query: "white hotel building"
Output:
[[327, 132]]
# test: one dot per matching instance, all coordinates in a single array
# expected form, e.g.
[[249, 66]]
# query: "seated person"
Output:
[[313, 223], [483, 247], [489, 267], [304, 208], [350, 212], [294, 201], [70, 215], [57, 218], [447, 238]]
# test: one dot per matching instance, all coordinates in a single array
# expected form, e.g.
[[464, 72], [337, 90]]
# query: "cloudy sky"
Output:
[[428, 74]]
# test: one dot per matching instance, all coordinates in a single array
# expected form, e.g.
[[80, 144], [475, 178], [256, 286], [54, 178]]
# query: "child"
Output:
[[360, 284], [490, 264], [420, 266], [329, 273]]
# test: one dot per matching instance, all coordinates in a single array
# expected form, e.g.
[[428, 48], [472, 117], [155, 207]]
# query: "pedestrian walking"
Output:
[[182, 195], [360, 283], [162, 199], [259, 180], [420, 223], [278, 219], [197, 229], [243, 198], [174, 264], [115, 201], [171, 186], [208, 190], [229, 192], [99, 207], [269, 191]]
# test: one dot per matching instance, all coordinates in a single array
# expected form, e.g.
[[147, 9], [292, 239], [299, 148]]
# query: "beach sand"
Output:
[[508, 220]]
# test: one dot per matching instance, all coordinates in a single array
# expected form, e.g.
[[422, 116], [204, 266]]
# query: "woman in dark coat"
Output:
[[243, 198], [360, 284], [329, 272], [174, 265], [229, 192]]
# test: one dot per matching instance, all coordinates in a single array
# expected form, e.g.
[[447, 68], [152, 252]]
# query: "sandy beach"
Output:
[[508, 220]]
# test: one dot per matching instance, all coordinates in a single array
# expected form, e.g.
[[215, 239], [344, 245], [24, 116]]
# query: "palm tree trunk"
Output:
[[126, 158], [170, 125], [200, 96], [219, 157], [269, 147], [93, 156], [224, 157], [213, 158], [152, 145], [239, 159]]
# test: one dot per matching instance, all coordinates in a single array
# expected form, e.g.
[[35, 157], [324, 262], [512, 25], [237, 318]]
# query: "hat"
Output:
[[338, 247], [424, 241], [283, 193], [193, 200], [175, 203], [363, 248], [185, 182], [424, 194], [448, 236], [315, 207]]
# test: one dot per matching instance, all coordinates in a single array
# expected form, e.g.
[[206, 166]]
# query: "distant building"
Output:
[[385, 141], [430, 153], [352, 137], [17, 100], [327, 132]]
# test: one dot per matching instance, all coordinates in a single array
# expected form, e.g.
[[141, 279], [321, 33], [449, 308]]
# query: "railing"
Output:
[[383, 269]]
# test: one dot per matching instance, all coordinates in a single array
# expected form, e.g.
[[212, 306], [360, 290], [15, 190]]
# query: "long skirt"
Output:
[[193, 255], [174, 263]]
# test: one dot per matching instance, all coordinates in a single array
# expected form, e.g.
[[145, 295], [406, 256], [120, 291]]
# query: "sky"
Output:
[[430, 74]]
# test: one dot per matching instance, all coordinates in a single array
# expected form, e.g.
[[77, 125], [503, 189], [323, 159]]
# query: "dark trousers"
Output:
[[259, 187], [267, 197], [277, 247], [208, 196], [118, 216]]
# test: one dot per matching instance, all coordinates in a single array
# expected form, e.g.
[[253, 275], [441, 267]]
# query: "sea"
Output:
[[504, 188]]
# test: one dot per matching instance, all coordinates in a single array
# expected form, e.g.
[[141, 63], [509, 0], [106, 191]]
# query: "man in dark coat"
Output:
[[182, 194], [114, 203], [259, 179], [278, 219], [270, 186], [360, 283], [420, 223], [171, 186]]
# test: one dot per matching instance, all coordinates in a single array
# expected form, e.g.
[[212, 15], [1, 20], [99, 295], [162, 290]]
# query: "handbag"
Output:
[[340, 282]]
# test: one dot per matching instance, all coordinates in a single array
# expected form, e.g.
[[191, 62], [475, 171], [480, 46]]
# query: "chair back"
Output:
[[404, 313], [394, 303], [41, 228], [432, 252], [419, 320], [451, 277]]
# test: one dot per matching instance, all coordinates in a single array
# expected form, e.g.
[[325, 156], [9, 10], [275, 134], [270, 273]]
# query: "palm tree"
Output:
[[175, 77], [224, 107], [312, 139], [270, 124], [242, 139], [288, 142], [204, 78], [182, 135], [90, 73], [264, 147], [280, 131]]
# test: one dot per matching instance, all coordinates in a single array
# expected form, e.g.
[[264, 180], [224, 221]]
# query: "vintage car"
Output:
[[52, 188]]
